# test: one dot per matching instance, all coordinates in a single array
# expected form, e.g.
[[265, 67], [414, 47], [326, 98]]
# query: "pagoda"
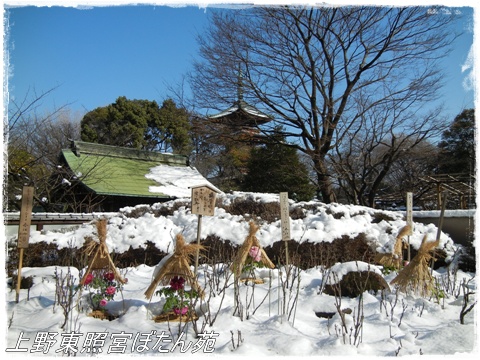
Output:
[[241, 118]]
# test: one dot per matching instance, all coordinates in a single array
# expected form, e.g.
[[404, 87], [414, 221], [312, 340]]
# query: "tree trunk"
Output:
[[324, 182]]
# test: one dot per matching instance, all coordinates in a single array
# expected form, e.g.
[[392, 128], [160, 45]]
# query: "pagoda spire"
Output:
[[241, 115], [240, 86]]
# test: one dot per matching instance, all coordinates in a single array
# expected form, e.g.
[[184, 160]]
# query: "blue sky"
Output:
[[99, 54], [96, 55]]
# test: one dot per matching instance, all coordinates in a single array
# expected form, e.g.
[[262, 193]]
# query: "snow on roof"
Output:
[[177, 181], [118, 171]]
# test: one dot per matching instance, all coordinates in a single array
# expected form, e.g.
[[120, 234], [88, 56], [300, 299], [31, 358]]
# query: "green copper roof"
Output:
[[110, 170]]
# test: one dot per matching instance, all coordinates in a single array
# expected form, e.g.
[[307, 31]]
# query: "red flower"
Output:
[[177, 283], [110, 290], [88, 279], [181, 311], [109, 276]]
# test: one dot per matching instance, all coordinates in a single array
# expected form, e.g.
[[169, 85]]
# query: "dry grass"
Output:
[[242, 253], [416, 276], [99, 255], [395, 259], [178, 264]]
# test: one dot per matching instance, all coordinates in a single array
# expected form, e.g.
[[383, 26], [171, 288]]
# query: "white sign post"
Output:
[[285, 221], [203, 203], [409, 219]]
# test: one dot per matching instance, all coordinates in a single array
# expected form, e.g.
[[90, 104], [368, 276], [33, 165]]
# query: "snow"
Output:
[[240, 106], [339, 270], [447, 213], [176, 181], [279, 321], [322, 223]]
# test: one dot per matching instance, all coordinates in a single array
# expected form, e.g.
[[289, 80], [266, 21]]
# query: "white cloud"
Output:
[[468, 81]]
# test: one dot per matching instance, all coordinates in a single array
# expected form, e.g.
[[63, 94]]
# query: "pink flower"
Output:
[[177, 283], [110, 290], [255, 253], [109, 276], [181, 311], [88, 279], [103, 302]]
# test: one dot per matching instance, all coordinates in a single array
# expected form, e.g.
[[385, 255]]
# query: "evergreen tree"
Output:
[[139, 124], [457, 148], [275, 168]]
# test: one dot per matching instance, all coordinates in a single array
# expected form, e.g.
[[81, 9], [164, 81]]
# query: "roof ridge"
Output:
[[79, 147]]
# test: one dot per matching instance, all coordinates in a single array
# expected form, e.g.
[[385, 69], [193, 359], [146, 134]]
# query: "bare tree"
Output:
[[308, 67], [407, 173], [33, 142], [384, 139]]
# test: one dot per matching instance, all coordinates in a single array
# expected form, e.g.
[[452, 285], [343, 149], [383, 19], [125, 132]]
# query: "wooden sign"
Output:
[[203, 203], [285, 216], [410, 211], [203, 200], [25, 217]]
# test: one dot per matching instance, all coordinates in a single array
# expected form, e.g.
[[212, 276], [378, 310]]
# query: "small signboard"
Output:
[[203, 203], [25, 217], [203, 200], [285, 216]]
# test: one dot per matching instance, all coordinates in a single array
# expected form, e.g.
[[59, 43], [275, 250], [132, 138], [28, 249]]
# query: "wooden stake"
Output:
[[409, 221], [440, 224], [199, 231], [24, 231], [19, 275]]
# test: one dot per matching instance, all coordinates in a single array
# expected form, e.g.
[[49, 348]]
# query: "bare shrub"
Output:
[[137, 211], [325, 254], [466, 307], [149, 255], [25, 283], [336, 215], [353, 333], [269, 212], [159, 209], [354, 283], [217, 250], [381, 216], [297, 212], [65, 291], [43, 254]]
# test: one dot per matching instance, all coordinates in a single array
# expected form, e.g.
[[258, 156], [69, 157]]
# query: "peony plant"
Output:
[[177, 299], [254, 260], [103, 289]]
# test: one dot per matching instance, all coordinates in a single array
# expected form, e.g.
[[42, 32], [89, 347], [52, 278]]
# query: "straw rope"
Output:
[[177, 265], [395, 258], [101, 257], [242, 254]]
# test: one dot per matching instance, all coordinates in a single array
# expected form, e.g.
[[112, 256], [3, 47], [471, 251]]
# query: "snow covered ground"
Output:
[[275, 320]]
